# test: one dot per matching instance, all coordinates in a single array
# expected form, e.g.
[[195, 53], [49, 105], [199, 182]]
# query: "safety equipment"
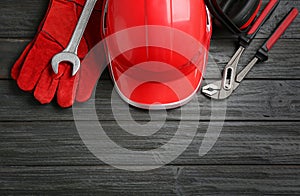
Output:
[[236, 15], [157, 49], [222, 89], [33, 71]]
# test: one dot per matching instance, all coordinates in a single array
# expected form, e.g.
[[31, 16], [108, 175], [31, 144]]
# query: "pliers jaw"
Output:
[[216, 91], [212, 90]]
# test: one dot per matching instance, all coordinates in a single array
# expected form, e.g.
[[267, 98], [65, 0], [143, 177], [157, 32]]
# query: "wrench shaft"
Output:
[[70, 53], [81, 25]]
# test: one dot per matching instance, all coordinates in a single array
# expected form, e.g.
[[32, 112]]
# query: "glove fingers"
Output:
[[33, 70], [91, 69], [67, 87], [36, 61], [15, 71], [86, 85], [47, 85]]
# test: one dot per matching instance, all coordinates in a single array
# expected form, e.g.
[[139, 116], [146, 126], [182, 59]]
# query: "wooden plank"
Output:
[[204, 180], [59, 143], [254, 100], [256, 153], [10, 49], [284, 62], [21, 18]]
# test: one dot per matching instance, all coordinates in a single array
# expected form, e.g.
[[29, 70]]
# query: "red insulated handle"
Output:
[[282, 28], [263, 17], [262, 53]]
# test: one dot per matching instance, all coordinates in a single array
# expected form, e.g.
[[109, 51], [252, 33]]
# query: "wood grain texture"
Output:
[[188, 180], [59, 143], [20, 19], [254, 100], [257, 153]]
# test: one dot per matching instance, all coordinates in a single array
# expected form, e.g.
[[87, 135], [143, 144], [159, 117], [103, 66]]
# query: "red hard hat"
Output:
[[157, 49]]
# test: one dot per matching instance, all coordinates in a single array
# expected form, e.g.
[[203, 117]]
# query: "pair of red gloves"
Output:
[[33, 71]]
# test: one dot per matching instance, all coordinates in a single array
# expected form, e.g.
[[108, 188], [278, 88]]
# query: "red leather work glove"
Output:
[[33, 71]]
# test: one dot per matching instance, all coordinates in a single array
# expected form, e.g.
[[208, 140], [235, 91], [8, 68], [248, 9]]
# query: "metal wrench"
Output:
[[70, 53], [260, 56]]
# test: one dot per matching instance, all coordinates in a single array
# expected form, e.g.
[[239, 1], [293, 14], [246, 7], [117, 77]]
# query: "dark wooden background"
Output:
[[258, 151]]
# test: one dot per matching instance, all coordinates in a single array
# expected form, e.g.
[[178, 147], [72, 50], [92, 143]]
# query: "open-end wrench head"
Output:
[[66, 57]]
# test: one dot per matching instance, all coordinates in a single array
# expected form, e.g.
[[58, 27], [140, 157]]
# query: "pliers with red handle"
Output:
[[224, 88]]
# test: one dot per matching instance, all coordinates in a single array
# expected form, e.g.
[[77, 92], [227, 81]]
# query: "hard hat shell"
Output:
[[158, 49]]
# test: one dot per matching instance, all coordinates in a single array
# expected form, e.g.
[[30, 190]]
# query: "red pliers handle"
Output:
[[246, 38], [262, 53]]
